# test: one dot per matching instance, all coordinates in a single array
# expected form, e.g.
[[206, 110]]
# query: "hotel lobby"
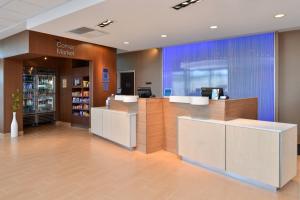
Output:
[[177, 99]]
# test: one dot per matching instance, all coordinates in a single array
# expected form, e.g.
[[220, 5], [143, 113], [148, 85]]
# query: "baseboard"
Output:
[[21, 133], [231, 175], [63, 123], [298, 149], [79, 126]]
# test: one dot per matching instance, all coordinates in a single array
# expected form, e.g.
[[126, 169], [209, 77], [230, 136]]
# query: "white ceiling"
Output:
[[14, 12], [141, 22]]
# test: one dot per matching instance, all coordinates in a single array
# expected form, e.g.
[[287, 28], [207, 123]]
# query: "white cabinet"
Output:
[[258, 152], [202, 141], [117, 126], [96, 121], [107, 124], [262, 151], [120, 130]]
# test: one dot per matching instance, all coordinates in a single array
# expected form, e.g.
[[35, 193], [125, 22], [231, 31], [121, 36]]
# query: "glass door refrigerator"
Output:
[[45, 97], [38, 96], [29, 100]]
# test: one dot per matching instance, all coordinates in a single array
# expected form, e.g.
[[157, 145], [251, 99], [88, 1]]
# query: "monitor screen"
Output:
[[207, 92], [144, 92]]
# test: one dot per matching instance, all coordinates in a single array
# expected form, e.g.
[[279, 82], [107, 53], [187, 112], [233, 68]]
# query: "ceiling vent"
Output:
[[88, 33], [81, 30]]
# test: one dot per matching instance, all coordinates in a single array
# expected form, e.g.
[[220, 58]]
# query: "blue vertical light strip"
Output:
[[243, 66]]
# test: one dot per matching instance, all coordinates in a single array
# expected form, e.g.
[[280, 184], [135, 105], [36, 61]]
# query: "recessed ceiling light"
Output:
[[126, 43], [164, 36], [105, 23], [213, 27], [45, 58], [185, 4], [279, 15]]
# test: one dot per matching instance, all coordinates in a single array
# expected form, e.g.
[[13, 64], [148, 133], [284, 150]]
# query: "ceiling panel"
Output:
[[2, 2], [26, 8], [13, 12], [6, 23], [46, 3], [9, 15]]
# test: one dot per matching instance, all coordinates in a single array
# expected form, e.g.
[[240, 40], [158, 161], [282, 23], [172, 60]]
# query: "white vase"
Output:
[[14, 126]]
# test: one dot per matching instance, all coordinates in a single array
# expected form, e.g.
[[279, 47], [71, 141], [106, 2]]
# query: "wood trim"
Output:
[[154, 125], [13, 80], [1, 96], [121, 106], [242, 108], [150, 125]]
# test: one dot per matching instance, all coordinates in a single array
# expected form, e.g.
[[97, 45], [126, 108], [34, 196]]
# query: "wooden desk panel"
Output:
[[241, 108], [121, 106], [219, 110], [141, 131], [157, 118], [150, 125]]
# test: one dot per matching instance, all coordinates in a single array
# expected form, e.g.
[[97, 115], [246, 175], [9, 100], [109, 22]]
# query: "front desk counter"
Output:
[[263, 153], [113, 125], [157, 118], [210, 135]]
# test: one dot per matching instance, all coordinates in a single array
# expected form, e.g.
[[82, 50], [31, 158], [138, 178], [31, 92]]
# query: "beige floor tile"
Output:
[[62, 163]]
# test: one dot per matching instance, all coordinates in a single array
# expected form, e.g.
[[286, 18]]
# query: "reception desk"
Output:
[[157, 118], [113, 125], [211, 134], [263, 153], [217, 110]]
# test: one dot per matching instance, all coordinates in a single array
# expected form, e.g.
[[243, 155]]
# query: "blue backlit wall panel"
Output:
[[243, 66]]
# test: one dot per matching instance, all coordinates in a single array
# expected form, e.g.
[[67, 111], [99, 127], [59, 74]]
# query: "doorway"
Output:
[[56, 89], [127, 82]]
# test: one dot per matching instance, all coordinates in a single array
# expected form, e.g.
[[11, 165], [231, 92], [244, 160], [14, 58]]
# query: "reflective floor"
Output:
[[58, 162]]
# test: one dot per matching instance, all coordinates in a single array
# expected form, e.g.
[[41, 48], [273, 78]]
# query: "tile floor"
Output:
[[58, 162]]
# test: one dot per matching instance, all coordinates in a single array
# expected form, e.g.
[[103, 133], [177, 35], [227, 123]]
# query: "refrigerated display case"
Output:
[[38, 96], [29, 93]]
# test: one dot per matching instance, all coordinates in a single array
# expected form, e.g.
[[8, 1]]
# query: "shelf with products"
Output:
[[45, 103], [81, 100], [28, 93], [81, 96], [81, 113], [85, 107]]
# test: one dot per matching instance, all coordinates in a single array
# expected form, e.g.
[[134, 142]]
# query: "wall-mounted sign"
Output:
[[65, 49], [64, 83], [105, 79], [105, 75]]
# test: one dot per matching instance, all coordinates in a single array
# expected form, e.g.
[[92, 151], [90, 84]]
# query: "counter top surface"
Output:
[[203, 120], [262, 125], [248, 123], [112, 110]]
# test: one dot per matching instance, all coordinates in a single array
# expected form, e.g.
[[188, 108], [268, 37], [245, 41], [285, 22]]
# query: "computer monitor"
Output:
[[144, 92], [207, 91]]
